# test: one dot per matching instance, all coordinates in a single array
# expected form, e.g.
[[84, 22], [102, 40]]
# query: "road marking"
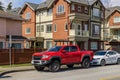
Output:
[[111, 78]]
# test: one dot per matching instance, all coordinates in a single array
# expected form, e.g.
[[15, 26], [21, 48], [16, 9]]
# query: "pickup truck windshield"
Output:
[[55, 49], [100, 53]]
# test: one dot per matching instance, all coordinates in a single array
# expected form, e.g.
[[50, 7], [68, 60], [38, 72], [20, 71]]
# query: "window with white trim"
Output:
[[116, 19], [49, 11], [60, 9], [96, 12], [86, 9], [49, 28], [28, 15], [72, 6], [1, 45], [42, 28], [55, 28], [94, 46], [28, 31], [66, 27], [79, 8]]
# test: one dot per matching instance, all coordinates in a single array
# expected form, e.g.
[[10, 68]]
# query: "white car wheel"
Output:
[[103, 62], [118, 61]]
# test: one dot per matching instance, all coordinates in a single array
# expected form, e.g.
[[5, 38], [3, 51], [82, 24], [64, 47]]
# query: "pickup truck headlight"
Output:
[[45, 56]]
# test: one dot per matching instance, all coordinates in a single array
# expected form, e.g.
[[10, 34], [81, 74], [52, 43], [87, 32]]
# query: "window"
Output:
[[49, 28], [79, 8], [116, 19], [73, 7], [48, 44], [28, 15], [73, 26], [38, 28], [42, 28], [1, 45], [95, 30], [86, 9], [55, 28], [66, 27], [60, 9], [28, 31], [86, 27], [49, 11], [67, 49], [94, 46], [96, 12], [16, 45], [73, 49]]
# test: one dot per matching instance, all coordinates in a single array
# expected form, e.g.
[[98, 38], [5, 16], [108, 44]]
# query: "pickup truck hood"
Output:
[[43, 53]]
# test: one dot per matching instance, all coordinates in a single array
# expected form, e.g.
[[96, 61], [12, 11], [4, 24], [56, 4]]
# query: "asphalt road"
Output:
[[93, 73]]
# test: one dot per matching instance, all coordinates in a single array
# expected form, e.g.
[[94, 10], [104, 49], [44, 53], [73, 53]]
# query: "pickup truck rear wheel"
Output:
[[54, 66], [86, 63], [39, 68], [70, 66]]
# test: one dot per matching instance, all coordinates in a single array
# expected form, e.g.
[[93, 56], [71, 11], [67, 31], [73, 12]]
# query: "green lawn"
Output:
[[15, 65]]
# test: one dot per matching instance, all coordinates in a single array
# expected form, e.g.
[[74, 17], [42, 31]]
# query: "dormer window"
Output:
[[60, 9]]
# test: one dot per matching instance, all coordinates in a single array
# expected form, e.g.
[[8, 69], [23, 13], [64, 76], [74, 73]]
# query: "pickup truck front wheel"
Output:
[[54, 66], [86, 63], [39, 68]]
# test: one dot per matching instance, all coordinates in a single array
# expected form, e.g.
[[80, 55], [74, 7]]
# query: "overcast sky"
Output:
[[19, 3]]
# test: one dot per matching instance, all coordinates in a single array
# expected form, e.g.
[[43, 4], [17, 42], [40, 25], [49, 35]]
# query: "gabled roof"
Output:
[[10, 16], [46, 4], [33, 6], [111, 10], [80, 1]]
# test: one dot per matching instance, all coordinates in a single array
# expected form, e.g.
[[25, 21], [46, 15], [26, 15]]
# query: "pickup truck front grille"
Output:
[[37, 57]]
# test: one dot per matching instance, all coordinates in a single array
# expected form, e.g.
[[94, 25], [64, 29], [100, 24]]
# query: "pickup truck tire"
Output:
[[70, 66], [86, 63], [54, 66], [103, 62], [39, 68]]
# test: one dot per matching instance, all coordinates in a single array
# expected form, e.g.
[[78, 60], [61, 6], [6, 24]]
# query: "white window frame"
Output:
[[49, 28], [66, 27], [86, 9], [79, 8], [26, 30], [49, 11], [73, 7], [96, 12], [55, 28], [28, 15], [60, 9], [94, 45], [117, 19]]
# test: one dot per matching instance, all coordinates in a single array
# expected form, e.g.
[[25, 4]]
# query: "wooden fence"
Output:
[[17, 55]]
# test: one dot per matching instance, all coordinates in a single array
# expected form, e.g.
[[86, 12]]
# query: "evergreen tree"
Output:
[[9, 7], [1, 6]]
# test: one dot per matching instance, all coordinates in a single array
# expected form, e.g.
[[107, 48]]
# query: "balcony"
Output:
[[79, 16], [78, 33], [116, 37]]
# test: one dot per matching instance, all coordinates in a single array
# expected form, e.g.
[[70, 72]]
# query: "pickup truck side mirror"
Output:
[[63, 51]]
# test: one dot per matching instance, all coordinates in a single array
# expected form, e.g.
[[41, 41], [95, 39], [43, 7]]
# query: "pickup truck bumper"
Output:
[[40, 62]]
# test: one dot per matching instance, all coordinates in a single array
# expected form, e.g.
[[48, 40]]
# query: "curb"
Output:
[[11, 71]]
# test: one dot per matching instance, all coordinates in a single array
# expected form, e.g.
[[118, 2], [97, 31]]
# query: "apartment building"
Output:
[[29, 24], [11, 25], [112, 27], [62, 22]]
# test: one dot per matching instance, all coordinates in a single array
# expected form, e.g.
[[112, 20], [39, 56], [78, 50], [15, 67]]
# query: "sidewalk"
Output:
[[4, 71]]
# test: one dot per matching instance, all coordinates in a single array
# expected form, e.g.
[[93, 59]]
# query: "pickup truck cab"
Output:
[[56, 56]]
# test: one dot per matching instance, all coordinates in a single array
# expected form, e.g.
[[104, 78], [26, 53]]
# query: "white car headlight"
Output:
[[45, 56]]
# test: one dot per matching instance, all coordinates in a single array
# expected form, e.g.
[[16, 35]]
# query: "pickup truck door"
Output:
[[75, 54], [67, 56]]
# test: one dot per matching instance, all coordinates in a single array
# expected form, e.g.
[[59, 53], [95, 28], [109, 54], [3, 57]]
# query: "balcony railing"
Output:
[[80, 33]]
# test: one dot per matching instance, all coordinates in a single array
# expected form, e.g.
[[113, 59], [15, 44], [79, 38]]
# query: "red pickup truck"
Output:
[[56, 56]]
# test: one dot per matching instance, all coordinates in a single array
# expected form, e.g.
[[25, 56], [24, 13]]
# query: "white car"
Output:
[[106, 57]]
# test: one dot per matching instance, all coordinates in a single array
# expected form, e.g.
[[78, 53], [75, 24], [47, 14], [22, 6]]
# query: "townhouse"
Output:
[[11, 24], [112, 27], [29, 24], [62, 22]]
